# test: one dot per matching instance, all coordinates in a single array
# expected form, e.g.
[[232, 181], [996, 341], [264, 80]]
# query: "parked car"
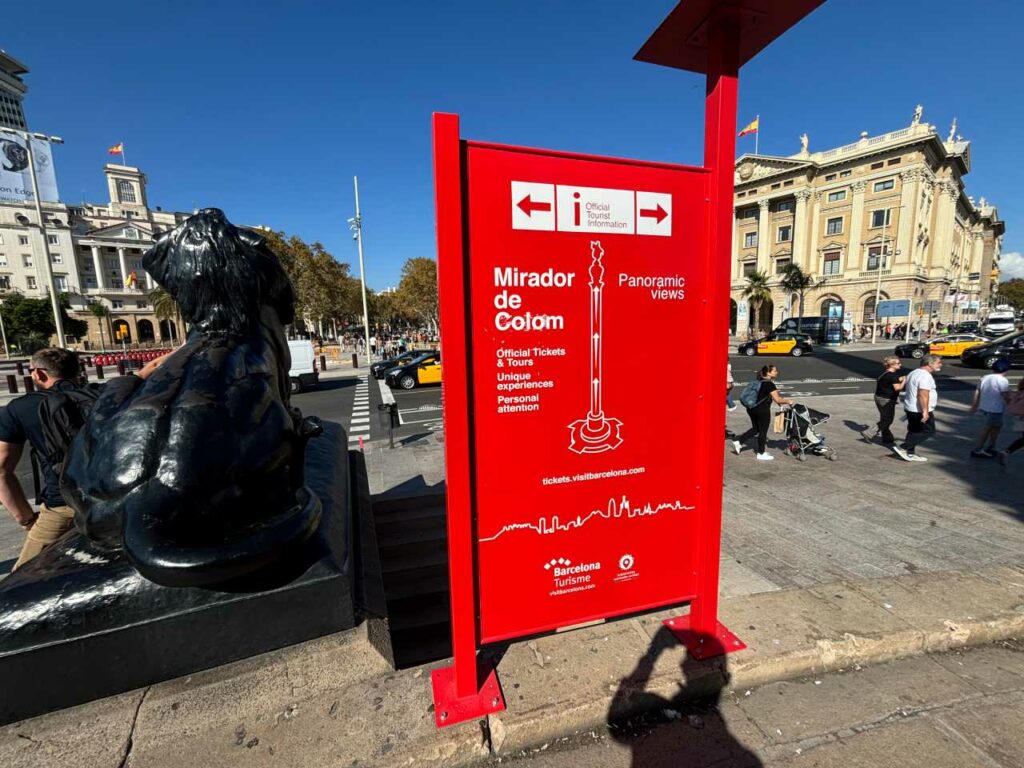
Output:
[[776, 343], [377, 370], [1009, 347], [303, 374], [425, 369], [944, 346]]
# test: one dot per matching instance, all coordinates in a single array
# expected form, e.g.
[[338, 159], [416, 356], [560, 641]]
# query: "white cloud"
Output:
[[1011, 265]]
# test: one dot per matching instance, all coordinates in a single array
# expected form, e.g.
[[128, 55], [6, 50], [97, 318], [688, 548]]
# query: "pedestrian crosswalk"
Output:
[[359, 426]]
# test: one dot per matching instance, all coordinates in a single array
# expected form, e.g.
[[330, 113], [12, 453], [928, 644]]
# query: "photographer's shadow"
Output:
[[686, 729]]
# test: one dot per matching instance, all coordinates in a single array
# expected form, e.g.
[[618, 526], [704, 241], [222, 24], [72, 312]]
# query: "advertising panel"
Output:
[[587, 486], [15, 178]]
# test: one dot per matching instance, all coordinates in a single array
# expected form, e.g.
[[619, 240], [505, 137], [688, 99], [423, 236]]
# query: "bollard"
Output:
[[120, 367], [323, 362], [12, 384], [355, 360], [99, 371], [30, 386], [21, 368]]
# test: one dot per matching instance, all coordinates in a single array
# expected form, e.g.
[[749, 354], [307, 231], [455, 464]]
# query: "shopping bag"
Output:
[[779, 425]]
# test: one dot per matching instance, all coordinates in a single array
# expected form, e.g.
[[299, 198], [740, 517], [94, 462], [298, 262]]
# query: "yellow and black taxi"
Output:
[[778, 343], [424, 369], [952, 345], [378, 369]]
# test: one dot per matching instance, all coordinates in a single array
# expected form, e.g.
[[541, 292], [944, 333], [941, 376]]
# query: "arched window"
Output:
[[125, 191]]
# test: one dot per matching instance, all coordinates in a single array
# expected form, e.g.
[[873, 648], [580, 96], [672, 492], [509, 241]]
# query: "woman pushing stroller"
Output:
[[757, 398]]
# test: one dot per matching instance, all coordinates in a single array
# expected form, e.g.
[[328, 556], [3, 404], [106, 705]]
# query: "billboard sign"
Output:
[[15, 176], [894, 308], [574, 263]]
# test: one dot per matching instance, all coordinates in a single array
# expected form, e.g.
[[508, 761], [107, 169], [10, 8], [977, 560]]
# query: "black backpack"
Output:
[[63, 410]]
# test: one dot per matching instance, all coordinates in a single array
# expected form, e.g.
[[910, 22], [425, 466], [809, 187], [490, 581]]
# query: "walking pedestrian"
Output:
[[989, 398], [919, 400], [1014, 408], [29, 419], [887, 390], [758, 402], [729, 384]]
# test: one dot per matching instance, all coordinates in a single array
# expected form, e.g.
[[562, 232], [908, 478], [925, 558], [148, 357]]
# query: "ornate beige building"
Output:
[[890, 207]]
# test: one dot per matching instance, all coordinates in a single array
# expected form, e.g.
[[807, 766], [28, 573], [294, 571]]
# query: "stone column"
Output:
[[763, 237], [814, 234], [734, 269], [124, 266], [800, 238], [853, 254], [97, 265], [907, 214], [150, 283], [946, 193]]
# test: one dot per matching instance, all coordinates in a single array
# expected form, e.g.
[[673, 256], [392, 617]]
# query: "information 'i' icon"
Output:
[[576, 209]]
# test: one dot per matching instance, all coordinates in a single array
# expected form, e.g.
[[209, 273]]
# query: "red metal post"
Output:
[[458, 692], [701, 631]]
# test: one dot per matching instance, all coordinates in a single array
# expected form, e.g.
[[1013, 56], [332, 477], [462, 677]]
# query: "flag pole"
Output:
[[757, 134], [123, 161]]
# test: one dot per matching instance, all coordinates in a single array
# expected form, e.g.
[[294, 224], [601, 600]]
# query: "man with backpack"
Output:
[[48, 420]]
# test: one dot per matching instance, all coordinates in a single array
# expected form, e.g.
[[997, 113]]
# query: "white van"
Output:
[[304, 373], [1000, 320]]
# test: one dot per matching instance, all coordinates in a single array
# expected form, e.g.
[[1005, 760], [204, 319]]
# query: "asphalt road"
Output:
[[840, 372]]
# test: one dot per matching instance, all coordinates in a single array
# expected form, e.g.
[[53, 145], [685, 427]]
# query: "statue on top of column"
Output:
[[804, 141], [918, 112]]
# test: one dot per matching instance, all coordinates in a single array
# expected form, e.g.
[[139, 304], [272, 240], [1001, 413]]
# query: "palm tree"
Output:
[[165, 307], [101, 312], [795, 280], [756, 293]]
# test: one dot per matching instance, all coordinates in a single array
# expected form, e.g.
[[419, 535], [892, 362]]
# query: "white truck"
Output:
[[1000, 320], [304, 373]]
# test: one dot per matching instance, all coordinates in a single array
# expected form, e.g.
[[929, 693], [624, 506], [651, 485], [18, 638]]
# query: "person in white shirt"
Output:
[[990, 399], [919, 400]]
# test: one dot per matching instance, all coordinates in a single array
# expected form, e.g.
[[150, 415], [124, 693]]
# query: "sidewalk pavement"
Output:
[[825, 565]]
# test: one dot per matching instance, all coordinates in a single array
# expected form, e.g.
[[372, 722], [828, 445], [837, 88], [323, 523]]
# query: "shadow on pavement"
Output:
[[684, 730], [949, 451]]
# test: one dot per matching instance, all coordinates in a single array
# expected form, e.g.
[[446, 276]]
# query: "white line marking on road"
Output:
[[831, 388], [361, 421]]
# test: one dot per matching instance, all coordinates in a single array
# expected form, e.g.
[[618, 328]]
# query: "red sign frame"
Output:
[[718, 34]]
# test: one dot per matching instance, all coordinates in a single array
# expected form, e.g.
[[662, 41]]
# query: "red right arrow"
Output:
[[527, 206], [657, 213]]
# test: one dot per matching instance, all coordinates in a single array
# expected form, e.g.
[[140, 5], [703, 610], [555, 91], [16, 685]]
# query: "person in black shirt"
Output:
[[887, 390], [761, 414], [55, 369]]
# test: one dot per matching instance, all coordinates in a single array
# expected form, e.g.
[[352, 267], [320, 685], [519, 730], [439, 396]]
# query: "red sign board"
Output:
[[585, 286]]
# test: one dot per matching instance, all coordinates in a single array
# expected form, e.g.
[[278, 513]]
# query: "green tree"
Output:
[[324, 288], [795, 280], [30, 321], [1011, 292], [101, 312], [417, 290], [756, 292]]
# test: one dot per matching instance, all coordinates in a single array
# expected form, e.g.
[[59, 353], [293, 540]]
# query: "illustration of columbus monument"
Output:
[[596, 432]]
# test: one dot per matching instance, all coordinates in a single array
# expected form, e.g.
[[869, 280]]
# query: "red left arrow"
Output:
[[657, 213], [527, 206]]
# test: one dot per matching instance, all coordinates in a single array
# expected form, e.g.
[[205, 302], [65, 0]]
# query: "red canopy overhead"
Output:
[[681, 40]]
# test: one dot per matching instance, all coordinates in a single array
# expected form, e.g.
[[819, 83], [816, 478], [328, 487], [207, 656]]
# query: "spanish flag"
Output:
[[118, 149], [751, 127]]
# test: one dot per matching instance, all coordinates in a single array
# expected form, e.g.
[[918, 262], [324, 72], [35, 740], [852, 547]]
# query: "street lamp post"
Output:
[[47, 265], [356, 225]]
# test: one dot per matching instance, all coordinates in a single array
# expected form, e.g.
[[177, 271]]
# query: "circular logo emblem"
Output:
[[626, 562]]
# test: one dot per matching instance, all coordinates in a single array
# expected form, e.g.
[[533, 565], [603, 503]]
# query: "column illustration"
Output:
[[596, 432]]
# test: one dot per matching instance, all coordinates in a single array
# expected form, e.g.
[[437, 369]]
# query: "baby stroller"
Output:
[[802, 437]]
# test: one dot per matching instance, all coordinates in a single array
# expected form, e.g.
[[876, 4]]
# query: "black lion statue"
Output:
[[196, 472]]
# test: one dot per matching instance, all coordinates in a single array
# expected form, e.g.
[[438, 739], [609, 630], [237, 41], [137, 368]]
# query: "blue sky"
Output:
[[267, 110]]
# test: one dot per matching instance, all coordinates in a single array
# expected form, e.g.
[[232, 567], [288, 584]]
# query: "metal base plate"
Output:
[[700, 645], [449, 709]]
